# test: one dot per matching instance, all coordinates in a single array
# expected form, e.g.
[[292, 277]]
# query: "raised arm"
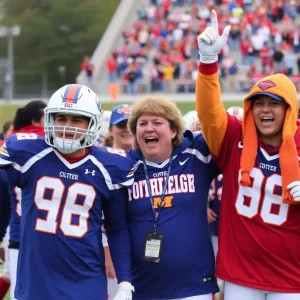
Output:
[[211, 112]]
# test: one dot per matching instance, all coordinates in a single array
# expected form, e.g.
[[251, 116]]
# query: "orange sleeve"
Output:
[[211, 111]]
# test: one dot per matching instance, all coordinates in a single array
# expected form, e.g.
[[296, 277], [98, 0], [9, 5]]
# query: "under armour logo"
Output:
[[90, 172]]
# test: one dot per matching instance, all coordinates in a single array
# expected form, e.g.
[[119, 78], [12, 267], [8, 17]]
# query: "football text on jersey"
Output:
[[183, 183]]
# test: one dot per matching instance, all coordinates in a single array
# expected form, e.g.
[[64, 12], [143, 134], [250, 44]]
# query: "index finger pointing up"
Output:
[[214, 20]]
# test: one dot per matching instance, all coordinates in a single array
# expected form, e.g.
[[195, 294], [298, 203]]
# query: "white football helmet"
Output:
[[105, 124], [189, 118], [73, 99], [236, 111]]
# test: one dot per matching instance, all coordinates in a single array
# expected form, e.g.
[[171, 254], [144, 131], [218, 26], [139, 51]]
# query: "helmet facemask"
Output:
[[70, 145]]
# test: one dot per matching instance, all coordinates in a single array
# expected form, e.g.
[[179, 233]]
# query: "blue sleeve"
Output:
[[4, 205], [115, 213], [201, 146], [14, 154], [120, 167], [18, 151]]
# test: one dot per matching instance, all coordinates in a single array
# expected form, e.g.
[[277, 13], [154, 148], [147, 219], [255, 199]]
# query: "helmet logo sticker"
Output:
[[68, 105], [72, 93]]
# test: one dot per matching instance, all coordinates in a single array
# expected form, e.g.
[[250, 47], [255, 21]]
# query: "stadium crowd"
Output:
[[160, 46]]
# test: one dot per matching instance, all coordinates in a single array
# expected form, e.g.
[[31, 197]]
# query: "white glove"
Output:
[[125, 291], [295, 190], [210, 43]]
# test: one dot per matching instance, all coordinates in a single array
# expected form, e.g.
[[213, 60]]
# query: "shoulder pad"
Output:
[[117, 163], [20, 147]]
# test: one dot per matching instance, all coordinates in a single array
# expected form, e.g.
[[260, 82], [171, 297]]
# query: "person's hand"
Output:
[[210, 43], [2, 254], [212, 216], [125, 291], [295, 190]]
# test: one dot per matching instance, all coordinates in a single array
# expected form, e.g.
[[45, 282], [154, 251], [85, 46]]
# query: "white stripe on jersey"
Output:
[[29, 163], [36, 158], [198, 154], [46, 151], [4, 162], [105, 174]]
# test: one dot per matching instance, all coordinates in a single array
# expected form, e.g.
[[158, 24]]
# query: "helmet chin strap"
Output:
[[67, 146]]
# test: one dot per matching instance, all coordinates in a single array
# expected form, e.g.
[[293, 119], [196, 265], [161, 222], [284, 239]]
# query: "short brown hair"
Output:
[[108, 140], [159, 107]]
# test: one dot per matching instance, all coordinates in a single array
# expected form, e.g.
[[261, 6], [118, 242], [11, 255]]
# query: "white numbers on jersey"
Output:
[[17, 192], [26, 136], [52, 205], [269, 199]]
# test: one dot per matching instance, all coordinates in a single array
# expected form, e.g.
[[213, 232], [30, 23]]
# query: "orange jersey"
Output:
[[259, 235]]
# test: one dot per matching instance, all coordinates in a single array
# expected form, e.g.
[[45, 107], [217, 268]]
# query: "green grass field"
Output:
[[7, 111]]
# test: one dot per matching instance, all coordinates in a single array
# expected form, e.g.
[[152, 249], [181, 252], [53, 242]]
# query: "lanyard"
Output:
[[163, 194]]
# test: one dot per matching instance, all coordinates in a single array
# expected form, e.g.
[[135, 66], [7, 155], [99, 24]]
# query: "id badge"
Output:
[[153, 245]]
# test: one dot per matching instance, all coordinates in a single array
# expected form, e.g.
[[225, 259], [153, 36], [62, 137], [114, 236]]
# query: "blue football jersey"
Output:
[[215, 194], [4, 205], [187, 263], [15, 213], [61, 253]]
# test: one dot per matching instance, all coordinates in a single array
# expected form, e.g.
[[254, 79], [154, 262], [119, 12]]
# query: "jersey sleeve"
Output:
[[232, 138], [4, 204], [210, 109], [120, 167], [115, 213], [203, 153], [12, 159], [16, 152]]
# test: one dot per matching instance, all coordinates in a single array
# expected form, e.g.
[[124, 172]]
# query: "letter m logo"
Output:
[[166, 203]]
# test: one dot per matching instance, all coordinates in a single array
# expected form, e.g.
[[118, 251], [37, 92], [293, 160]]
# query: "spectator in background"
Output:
[[29, 117], [142, 13], [296, 41], [278, 60], [122, 137], [290, 61], [171, 36], [88, 68], [232, 75], [7, 128], [154, 78], [111, 67], [168, 71], [298, 65], [244, 45], [132, 79], [234, 37], [265, 55]]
